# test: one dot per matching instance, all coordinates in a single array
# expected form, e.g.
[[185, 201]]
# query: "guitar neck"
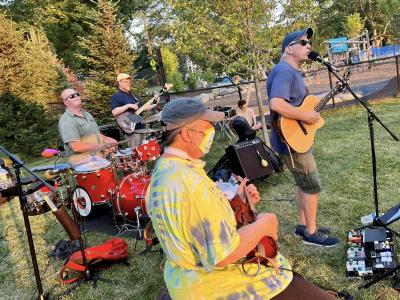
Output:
[[321, 104], [147, 104]]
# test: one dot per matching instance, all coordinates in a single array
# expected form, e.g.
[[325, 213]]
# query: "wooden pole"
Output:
[[398, 75]]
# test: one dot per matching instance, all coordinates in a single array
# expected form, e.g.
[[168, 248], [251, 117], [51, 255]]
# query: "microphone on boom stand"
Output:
[[314, 56], [239, 88]]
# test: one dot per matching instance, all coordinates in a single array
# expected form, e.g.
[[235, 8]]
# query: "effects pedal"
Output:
[[370, 252]]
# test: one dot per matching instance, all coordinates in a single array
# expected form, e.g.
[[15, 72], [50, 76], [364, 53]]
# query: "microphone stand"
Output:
[[371, 118], [239, 88], [18, 164], [62, 216]]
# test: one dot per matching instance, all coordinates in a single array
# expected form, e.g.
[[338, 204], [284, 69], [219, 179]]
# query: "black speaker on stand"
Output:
[[250, 159]]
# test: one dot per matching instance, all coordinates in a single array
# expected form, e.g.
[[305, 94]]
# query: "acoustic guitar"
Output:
[[128, 120], [299, 135]]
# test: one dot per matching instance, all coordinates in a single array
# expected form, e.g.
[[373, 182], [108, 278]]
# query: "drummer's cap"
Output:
[[122, 76], [181, 112]]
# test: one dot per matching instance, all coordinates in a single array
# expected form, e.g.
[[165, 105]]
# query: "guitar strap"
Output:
[[290, 153]]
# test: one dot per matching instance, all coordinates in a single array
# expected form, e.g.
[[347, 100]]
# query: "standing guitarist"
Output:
[[123, 101], [286, 91]]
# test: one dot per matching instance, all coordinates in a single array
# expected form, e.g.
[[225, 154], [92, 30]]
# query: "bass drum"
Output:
[[130, 200], [96, 184]]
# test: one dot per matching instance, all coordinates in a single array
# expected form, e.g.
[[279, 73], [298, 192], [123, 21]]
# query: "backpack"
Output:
[[98, 257]]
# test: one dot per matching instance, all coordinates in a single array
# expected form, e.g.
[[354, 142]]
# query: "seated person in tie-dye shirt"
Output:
[[196, 225]]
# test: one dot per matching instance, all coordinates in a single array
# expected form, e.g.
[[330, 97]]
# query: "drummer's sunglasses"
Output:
[[72, 96]]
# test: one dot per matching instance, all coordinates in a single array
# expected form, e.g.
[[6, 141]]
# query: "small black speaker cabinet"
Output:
[[249, 159]]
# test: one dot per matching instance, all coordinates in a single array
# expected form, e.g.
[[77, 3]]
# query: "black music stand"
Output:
[[393, 214]]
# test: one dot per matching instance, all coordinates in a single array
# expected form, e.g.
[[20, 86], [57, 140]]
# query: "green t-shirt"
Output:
[[197, 229], [75, 128]]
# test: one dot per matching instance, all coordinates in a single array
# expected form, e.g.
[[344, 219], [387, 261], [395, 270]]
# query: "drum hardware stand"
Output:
[[125, 227], [89, 274], [377, 219]]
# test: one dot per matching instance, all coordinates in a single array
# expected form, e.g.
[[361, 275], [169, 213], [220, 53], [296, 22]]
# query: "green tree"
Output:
[[170, 61], [28, 64], [63, 21], [353, 25], [107, 53], [235, 35]]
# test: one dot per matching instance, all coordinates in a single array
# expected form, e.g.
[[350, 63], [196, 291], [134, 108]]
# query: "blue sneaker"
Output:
[[319, 239], [301, 229]]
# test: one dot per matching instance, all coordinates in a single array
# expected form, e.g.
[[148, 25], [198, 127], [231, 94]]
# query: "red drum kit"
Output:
[[121, 182]]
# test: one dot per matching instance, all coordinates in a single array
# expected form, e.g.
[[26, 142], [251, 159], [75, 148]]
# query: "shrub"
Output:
[[209, 75], [193, 79], [176, 78], [26, 128]]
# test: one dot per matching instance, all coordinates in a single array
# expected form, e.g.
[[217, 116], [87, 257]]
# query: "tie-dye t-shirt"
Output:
[[197, 229]]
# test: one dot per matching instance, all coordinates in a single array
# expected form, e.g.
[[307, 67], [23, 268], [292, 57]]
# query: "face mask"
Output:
[[206, 142]]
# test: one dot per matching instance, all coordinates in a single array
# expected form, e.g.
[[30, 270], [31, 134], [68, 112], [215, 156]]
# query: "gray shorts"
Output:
[[305, 172]]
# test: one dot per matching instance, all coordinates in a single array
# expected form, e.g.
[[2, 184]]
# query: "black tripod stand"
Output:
[[392, 214], [18, 164]]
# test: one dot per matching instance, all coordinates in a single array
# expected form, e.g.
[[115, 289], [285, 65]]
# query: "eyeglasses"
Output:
[[72, 96], [301, 42]]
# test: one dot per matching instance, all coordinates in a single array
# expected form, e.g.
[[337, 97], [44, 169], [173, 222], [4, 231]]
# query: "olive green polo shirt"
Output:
[[76, 128]]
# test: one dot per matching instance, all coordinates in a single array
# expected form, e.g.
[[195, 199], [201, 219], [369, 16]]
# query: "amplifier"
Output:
[[249, 159]]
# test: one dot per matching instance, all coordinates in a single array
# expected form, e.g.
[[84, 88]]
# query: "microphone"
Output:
[[314, 56], [234, 83]]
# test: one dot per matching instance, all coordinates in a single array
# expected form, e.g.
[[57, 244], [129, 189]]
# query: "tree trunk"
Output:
[[260, 104]]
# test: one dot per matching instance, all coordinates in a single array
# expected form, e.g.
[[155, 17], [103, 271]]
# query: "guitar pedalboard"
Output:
[[370, 252]]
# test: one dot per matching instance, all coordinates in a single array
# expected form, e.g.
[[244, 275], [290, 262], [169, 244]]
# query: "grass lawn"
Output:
[[343, 154]]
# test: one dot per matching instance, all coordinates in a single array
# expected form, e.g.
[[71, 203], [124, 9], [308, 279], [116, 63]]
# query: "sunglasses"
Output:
[[301, 42], [72, 96]]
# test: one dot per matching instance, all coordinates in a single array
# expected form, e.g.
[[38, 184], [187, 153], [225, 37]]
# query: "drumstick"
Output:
[[107, 146]]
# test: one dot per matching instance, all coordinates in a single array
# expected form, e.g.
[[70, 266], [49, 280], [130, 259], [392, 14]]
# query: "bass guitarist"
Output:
[[123, 101], [286, 91]]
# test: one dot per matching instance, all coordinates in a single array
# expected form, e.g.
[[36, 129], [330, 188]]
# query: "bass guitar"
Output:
[[299, 135], [128, 120]]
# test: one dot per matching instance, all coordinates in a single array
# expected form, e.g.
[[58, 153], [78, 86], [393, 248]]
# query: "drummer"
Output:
[[123, 101], [80, 132]]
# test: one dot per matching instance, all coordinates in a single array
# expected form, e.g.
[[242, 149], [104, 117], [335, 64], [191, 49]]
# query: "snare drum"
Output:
[[96, 184], [148, 150], [130, 200], [127, 161]]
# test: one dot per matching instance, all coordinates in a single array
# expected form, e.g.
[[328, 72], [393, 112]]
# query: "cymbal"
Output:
[[153, 118]]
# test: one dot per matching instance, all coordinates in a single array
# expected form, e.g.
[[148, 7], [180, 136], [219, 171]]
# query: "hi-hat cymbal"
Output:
[[153, 118]]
